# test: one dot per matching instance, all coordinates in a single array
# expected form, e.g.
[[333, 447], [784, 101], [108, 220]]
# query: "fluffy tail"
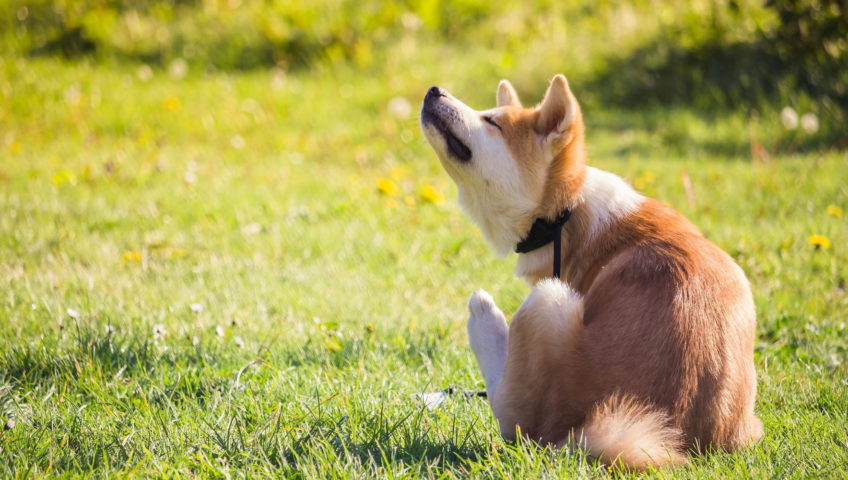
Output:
[[622, 431]]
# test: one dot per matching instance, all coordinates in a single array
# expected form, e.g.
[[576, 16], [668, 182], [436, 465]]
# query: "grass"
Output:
[[200, 276]]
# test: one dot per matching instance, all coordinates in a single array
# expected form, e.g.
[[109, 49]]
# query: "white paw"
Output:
[[486, 322], [481, 302], [488, 336]]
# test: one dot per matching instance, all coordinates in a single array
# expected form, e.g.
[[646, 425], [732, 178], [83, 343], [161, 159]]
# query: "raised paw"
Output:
[[486, 321], [488, 336], [481, 302]]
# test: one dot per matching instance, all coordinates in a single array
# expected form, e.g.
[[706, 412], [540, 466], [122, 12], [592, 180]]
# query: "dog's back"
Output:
[[670, 320], [658, 357]]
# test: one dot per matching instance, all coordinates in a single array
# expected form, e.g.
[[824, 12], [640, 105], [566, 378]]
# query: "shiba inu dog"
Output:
[[643, 351]]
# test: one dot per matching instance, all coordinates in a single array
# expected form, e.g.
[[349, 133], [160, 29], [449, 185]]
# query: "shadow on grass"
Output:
[[420, 451], [48, 360], [91, 359], [404, 442]]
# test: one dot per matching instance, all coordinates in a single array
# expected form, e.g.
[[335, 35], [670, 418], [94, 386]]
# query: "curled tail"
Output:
[[621, 431]]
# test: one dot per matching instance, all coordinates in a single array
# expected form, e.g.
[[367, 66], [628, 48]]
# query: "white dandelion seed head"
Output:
[[196, 307], [399, 107], [296, 158], [411, 21], [178, 69], [144, 73], [251, 229], [810, 122], [278, 78], [237, 142], [73, 94], [159, 331], [73, 313], [789, 118]]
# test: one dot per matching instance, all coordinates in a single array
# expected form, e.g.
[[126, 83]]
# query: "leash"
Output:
[[432, 400], [466, 393]]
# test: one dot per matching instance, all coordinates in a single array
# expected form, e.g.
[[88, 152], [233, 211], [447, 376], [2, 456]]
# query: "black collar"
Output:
[[543, 232]]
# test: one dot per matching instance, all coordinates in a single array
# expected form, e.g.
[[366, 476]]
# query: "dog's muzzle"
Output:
[[433, 114]]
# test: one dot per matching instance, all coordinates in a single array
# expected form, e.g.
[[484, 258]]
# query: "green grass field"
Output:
[[246, 275]]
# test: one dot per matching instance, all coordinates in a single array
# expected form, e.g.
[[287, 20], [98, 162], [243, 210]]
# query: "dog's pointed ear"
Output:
[[507, 95], [558, 109]]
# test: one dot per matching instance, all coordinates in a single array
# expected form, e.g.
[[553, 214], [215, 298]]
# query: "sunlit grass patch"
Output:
[[176, 302]]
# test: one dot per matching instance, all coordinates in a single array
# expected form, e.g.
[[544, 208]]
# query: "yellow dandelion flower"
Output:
[[171, 103], [131, 256], [87, 175], [64, 176], [409, 200], [644, 180], [430, 194], [399, 173], [833, 211], [387, 187], [819, 241], [332, 345], [143, 139], [15, 147]]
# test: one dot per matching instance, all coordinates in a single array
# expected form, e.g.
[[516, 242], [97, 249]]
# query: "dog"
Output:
[[642, 352]]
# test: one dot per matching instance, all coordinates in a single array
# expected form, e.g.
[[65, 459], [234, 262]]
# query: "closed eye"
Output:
[[492, 122]]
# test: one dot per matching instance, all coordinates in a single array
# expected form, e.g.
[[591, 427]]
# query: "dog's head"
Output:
[[510, 164]]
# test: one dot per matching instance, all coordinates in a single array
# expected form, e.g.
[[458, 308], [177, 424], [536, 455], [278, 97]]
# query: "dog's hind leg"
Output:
[[538, 393], [488, 335]]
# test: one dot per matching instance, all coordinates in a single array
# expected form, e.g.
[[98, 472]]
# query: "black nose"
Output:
[[435, 92]]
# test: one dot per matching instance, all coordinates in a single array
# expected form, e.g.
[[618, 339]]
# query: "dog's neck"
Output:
[[602, 200]]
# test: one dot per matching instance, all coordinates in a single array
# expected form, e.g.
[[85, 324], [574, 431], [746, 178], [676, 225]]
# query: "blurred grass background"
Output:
[[706, 53]]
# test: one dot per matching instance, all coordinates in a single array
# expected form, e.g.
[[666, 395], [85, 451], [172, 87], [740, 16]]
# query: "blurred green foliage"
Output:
[[706, 53], [799, 48], [811, 39], [232, 34]]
